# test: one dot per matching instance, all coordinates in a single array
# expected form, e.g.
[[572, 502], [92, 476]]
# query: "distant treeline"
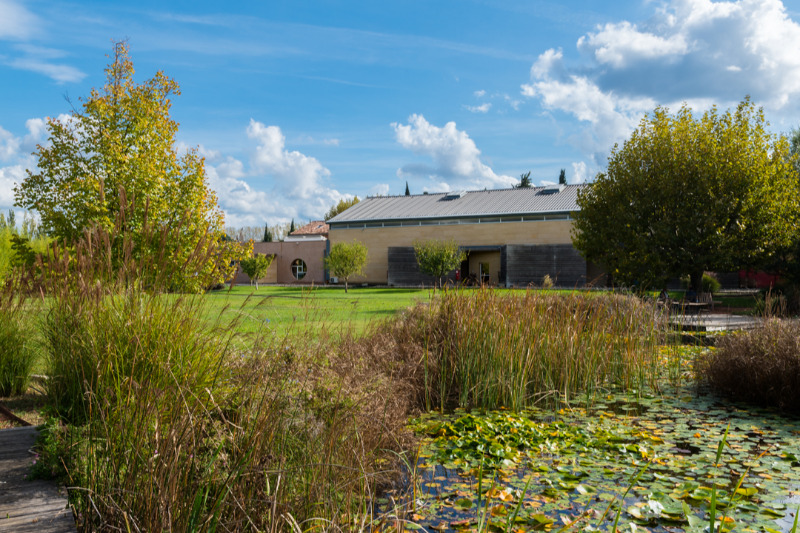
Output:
[[278, 232]]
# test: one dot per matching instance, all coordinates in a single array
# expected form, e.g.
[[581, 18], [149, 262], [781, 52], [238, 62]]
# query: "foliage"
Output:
[[179, 424], [761, 366], [794, 147], [562, 177], [267, 234], [684, 195], [346, 260], [524, 181], [19, 244], [709, 284], [437, 258], [256, 266], [487, 350], [16, 350], [547, 282], [343, 205], [408, 192], [116, 156], [638, 462]]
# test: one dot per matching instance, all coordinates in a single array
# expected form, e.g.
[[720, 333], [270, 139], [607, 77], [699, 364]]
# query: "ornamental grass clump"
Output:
[[486, 349], [760, 366], [16, 349], [177, 423]]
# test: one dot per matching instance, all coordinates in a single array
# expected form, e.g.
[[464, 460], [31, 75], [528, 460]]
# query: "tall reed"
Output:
[[17, 353], [488, 349], [181, 425]]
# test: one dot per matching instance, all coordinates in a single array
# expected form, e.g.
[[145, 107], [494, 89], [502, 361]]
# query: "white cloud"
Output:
[[296, 174], [579, 172], [381, 189], [701, 52], [456, 157], [9, 145], [59, 73], [483, 108], [479, 94], [279, 184], [623, 43], [9, 177], [16, 22]]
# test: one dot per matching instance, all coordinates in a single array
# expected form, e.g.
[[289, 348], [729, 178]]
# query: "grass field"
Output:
[[286, 309]]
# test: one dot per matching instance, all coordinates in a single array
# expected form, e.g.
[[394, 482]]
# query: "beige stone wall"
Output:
[[280, 271], [378, 240]]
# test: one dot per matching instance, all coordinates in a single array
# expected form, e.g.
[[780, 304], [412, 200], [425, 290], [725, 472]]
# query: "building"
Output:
[[512, 237], [299, 258]]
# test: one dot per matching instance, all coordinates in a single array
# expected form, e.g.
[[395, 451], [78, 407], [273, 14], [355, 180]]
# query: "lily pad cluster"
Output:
[[638, 462]]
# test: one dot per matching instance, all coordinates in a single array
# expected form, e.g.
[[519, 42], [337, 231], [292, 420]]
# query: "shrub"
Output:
[[710, 283], [16, 353], [760, 366]]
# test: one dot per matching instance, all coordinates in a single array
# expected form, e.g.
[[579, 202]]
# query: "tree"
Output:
[[346, 260], [267, 233], [342, 206], [408, 192], [685, 194], [256, 266], [114, 163], [562, 177], [438, 258], [794, 148], [291, 227], [525, 181]]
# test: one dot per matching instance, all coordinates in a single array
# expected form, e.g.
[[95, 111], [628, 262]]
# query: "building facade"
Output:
[[512, 237], [299, 259]]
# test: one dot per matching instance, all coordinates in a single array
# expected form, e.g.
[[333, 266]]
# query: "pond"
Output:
[[644, 461]]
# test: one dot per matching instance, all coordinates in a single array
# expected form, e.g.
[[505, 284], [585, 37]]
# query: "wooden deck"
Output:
[[28, 506]]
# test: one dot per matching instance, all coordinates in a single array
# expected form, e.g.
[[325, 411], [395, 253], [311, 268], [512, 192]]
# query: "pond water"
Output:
[[647, 462]]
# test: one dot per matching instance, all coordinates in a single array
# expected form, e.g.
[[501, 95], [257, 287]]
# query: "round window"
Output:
[[298, 269]]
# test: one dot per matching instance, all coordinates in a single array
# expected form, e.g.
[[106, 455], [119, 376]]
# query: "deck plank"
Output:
[[28, 505]]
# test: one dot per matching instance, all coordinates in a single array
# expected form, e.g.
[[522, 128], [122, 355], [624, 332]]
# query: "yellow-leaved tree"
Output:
[[113, 162]]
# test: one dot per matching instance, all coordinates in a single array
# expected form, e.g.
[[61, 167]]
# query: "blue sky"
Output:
[[298, 104]]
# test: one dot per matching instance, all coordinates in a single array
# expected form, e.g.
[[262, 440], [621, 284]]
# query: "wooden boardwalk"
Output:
[[28, 506]]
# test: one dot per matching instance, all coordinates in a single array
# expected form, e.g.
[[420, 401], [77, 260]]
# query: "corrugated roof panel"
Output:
[[536, 200]]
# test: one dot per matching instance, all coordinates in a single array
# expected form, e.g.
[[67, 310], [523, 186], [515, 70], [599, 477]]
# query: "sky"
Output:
[[298, 104]]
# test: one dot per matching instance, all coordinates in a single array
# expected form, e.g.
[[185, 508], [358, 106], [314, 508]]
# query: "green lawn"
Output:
[[292, 309]]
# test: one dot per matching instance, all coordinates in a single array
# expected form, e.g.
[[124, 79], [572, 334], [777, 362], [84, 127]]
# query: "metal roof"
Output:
[[536, 200]]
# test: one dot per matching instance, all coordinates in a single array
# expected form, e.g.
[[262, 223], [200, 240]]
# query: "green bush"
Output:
[[16, 354], [760, 366], [710, 283]]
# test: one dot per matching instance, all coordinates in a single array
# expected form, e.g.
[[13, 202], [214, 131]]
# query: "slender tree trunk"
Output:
[[696, 281], [345, 285]]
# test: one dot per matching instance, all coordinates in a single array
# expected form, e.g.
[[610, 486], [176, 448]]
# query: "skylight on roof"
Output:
[[453, 195]]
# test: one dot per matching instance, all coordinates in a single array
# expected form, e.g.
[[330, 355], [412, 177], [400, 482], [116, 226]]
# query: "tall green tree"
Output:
[[438, 258], [267, 233], [347, 259], [525, 181], [686, 194], [256, 266], [114, 162], [562, 177], [408, 191], [343, 205]]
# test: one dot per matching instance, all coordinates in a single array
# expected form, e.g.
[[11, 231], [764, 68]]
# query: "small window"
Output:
[[298, 269]]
